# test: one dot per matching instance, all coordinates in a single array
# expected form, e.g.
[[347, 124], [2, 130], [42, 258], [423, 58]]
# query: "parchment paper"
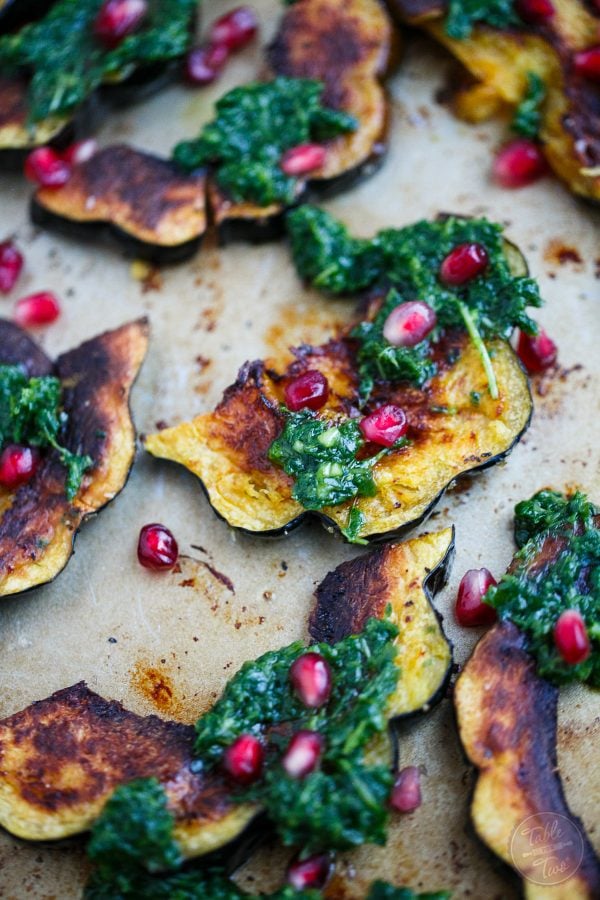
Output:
[[158, 644]]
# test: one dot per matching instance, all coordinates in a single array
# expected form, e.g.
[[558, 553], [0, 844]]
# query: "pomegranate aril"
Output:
[[18, 464], [118, 18], [157, 548], [587, 63], [302, 159], [243, 760], [409, 323], [312, 872], [235, 29], [406, 793], [463, 263], [470, 608], [571, 637], [303, 754], [537, 352], [11, 263], [519, 163], [311, 389], [385, 425], [203, 64], [45, 167], [37, 309], [311, 679], [80, 151], [535, 12]]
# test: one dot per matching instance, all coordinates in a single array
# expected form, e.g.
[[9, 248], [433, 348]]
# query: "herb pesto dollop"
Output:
[[255, 124], [463, 15], [557, 567], [67, 62], [31, 414], [528, 114]]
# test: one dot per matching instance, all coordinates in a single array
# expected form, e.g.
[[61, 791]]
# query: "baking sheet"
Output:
[[167, 643]]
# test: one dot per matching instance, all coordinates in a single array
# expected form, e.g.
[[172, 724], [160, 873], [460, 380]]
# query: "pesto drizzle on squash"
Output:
[[567, 576], [528, 114], [255, 124], [67, 62], [30, 414], [463, 15]]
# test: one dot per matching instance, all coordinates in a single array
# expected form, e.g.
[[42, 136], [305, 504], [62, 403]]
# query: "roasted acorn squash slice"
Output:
[[37, 521], [228, 448], [500, 61], [145, 202], [507, 723], [349, 47], [61, 758]]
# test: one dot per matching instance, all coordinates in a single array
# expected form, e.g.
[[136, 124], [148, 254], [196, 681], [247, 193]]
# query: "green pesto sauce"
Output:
[[321, 456], [343, 803], [30, 414], [67, 62], [534, 598], [528, 114], [409, 259], [255, 124], [463, 15]]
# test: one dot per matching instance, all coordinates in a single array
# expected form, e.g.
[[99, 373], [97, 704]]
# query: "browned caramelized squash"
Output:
[[37, 521], [507, 722], [228, 448], [146, 203], [500, 62], [61, 758], [348, 46]]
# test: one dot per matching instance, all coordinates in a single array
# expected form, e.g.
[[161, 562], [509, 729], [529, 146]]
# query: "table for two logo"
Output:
[[547, 848]]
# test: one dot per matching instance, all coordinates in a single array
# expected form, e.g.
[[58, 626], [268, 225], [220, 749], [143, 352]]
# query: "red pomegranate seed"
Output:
[[118, 18], [37, 309], [235, 29], [519, 163], [302, 159], [303, 753], [311, 679], [409, 323], [311, 389], [203, 64], [571, 637], [157, 548], [312, 872], [45, 167], [406, 793], [470, 608], [11, 263], [243, 760], [464, 263], [537, 352], [80, 151], [587, 63], [385, 425], [18, 464], [535, 12]]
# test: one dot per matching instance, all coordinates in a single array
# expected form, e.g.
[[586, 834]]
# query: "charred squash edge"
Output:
[[46, 490], [492, 95], [485, 713], [34, 723], [254, 371]]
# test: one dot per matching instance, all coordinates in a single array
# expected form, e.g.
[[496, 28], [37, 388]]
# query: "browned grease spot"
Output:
[[295, 325], [152, 280], [557, 252], [154, 685]]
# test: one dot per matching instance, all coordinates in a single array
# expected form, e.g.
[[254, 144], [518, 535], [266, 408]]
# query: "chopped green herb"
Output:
[[444, 410], [541, 586], [343, 803], [30, 414], [67, 62], [356, 522], [380, 890], [321, 457], [254, 126], [463, 15], [409, 259], [475, 398], [528, 115]]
